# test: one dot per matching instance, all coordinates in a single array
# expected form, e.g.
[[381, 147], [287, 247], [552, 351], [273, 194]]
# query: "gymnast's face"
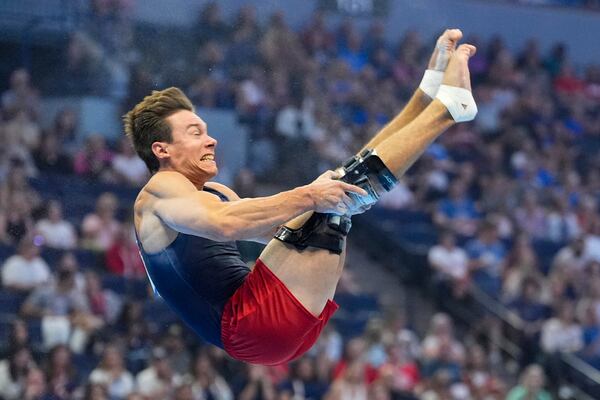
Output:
[[192, 150]]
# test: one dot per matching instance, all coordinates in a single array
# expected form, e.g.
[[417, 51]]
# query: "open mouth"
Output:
[[208, 157]]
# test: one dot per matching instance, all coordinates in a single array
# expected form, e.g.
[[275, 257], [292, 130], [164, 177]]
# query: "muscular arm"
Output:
[[417, 103], [264, 237], [185, 209]]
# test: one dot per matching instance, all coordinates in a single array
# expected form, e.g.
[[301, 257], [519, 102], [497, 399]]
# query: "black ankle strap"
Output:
[[324, 231]]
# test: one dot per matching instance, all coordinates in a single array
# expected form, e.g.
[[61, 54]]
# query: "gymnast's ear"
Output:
[[161, 150]]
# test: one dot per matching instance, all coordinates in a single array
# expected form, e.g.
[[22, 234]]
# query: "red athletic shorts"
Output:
[[263, 323]]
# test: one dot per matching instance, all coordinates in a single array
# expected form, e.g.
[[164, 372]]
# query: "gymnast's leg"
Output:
[[312, 274]]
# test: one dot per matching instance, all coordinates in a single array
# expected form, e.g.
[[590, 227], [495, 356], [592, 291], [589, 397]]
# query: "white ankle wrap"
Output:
[[459, 102], [443, 55], [431, 82]]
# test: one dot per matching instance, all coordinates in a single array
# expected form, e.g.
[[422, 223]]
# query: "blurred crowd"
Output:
[[524, 172], [587, 4]]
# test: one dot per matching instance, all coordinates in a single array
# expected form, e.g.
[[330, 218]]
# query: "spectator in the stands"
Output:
[[158, 380], [103, 303], [64, 128], [486, 254], [22, 132], [13, 373], [50, 157], [93, 161], [451, 266], [354, 351], [210, 24], [111, 374], [123, 256], [56, 231], [531, 385], [561, 221], [302, 381], [521, 263], [458, 212], [350, 384], [255, 383], [84, 70], [133, 329], [57, 299], [572, 257], [591, 332], [21, 95], [35, 385], [531, 216], [15, 182], [5, 238], [97, 391], [529, 314], [481, 378], [64, 312], [562, 333], [401, 371], [62, 374], [128, 168], [18, 221], [441, 349], [178, 352], [206, 380], [17, 337], [25, 270], [101, 228]]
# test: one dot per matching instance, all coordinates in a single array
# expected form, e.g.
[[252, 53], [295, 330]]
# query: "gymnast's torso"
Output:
[[196, 277]]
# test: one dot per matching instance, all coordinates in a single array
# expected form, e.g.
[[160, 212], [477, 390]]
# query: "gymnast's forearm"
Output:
[[254, 219], [417, 103]]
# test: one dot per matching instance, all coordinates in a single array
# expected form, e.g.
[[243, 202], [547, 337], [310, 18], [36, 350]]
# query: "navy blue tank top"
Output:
[[196, 276]]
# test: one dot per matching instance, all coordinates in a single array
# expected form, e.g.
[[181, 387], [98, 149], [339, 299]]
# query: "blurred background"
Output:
[[478, 277]]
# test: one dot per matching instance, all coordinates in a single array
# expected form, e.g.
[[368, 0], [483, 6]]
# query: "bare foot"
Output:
[[444, 48], [457, 72]]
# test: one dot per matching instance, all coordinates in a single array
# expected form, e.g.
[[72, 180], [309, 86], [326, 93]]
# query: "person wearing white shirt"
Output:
[[57, 233], [25, 270], [158, 380], [562, 333], [112, 374], [450, 262]]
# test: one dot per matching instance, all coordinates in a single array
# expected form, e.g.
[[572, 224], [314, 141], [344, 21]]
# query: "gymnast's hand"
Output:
[[330, 195]]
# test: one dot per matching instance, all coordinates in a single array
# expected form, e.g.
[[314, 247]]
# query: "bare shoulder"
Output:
[[231, 195], [153, 234], [166, 184], [161, 185]]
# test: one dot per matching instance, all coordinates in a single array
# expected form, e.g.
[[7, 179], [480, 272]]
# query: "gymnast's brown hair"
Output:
[[145, 123]]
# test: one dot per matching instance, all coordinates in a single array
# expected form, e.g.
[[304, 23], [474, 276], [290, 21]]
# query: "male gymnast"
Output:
[[187, 226]]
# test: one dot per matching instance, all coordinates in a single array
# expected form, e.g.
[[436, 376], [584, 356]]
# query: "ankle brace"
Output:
[[323, 231], [368, 171], [459, 102]]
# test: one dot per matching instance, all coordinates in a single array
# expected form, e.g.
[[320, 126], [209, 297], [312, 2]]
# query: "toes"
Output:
[[467, 50], [454, 34]]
